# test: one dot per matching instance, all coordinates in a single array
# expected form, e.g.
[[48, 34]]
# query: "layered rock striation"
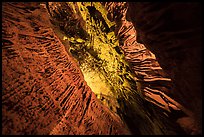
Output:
[[43, 88]]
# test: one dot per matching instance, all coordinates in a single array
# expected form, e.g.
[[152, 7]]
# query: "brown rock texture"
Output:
[[172, 31], [127, 101], [155, 83], [43, 89]]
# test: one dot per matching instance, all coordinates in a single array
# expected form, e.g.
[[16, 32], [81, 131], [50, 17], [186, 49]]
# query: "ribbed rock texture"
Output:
[[99, 54], [56, 54], [172, 31], [155, 84], [44, 91]]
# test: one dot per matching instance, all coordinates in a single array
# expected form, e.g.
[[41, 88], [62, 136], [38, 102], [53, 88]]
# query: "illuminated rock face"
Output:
[[51, 69], [105, 67], [44, 91], [155, 84], [172, 31]]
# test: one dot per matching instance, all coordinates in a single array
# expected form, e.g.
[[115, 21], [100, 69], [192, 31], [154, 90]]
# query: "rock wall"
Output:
[[43, 89], [155, 84], [106, 67], [172, 31]]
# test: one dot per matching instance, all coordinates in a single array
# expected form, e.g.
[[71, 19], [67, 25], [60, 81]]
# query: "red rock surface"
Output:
[[172, 31], [142, 117], [44, 91], [156, 84]]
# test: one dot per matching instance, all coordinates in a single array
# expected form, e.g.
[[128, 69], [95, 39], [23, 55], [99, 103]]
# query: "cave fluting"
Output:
[[92, 73]]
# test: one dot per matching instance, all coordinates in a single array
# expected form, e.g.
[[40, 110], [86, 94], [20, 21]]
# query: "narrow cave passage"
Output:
[[73, 68], [106, 68]]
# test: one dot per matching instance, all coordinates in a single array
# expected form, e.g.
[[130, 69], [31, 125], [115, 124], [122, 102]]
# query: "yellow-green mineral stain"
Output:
[[105, 69]]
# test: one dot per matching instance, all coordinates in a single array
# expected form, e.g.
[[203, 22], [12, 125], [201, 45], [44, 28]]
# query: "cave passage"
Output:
[[104, 67], [75, 68]]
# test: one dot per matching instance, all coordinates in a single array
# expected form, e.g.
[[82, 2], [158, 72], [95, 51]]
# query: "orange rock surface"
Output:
[[44, 91]]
